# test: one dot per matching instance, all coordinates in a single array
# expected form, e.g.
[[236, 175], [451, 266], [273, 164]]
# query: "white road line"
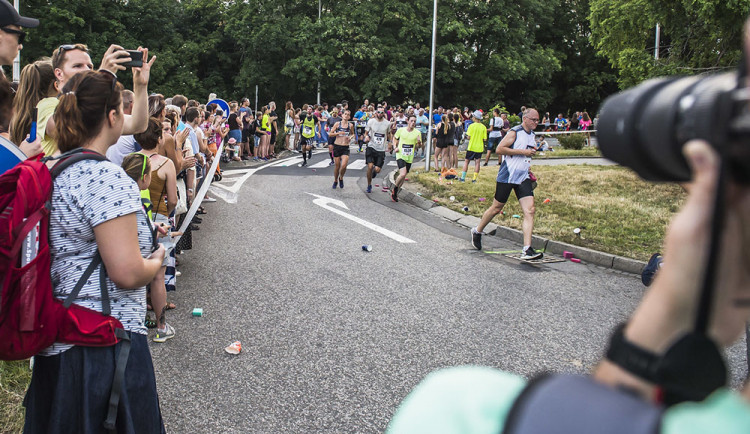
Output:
[[326, 202], [357, 165], [321, 164]]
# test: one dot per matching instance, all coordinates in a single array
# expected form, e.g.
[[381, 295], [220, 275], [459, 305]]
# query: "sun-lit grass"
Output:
[[617, 212], [559, 152], [14, 379]]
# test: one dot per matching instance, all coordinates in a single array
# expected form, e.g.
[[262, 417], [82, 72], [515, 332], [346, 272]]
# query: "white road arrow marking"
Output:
[[326, 202]]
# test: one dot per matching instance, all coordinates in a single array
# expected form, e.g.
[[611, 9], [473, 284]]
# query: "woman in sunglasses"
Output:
[[96, 207]]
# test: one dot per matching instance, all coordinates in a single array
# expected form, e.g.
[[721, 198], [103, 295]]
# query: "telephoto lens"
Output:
[[645, 128]]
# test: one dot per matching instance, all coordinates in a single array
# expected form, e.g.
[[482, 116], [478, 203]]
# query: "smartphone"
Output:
[[32, 133], [136, 59]]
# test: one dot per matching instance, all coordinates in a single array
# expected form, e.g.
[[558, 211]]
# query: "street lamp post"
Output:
[[17, 60], [432, 89], [319, 10]]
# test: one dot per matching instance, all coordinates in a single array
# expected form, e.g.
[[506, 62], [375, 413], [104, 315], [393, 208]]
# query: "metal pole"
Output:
[[656, 43], [256, 98], [17, 60], [319, 11], [432, 89]]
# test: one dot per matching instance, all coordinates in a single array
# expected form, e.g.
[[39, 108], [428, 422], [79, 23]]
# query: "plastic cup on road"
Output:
[[367, 248]]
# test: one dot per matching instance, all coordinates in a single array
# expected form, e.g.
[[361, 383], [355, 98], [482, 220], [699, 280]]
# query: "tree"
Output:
[[697, 36]]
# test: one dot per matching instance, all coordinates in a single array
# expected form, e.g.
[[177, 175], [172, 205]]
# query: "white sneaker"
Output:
[[163, 335], [177, 273], [209, 199]]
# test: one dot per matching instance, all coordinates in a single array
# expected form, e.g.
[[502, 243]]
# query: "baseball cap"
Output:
[[9, 15], [477, 114]]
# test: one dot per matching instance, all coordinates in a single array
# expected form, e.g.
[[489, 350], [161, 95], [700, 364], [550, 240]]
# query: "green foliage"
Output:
[[513, 52], [572, 141], [696, 36]]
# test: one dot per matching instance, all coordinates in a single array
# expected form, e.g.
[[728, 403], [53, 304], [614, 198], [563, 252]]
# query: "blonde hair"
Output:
[[37, 82]]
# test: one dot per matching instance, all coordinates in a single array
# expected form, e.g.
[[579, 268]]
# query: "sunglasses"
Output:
[[21, 34], [145, 160]]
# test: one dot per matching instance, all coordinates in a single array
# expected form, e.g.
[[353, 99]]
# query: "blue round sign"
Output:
[[222, 105], [10, 155]]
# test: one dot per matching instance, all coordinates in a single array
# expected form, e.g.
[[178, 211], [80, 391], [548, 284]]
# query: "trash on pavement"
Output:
[[516, 216], [234, 348], [198, 311], [576, 260], [547, 200], [367, 248]]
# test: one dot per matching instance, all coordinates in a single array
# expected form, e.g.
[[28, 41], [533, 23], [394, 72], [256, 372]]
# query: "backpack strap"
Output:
[[575, 404], [118, 380], [96, 261]]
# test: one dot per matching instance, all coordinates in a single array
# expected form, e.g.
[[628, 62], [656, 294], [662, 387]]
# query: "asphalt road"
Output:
[[333, 338]]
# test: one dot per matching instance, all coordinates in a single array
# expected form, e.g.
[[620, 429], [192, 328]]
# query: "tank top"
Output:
[[343, 138], [157, 190]]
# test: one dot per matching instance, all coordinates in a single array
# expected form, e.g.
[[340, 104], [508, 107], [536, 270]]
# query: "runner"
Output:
[[310, 129], [332, 120], [405, 142], [343, 133], [376, 136], [398, 121], [477, 134], [361, 123], [496, 133], [517, 148]]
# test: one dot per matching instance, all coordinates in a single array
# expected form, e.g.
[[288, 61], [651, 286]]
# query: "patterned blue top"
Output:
[[85, 195]]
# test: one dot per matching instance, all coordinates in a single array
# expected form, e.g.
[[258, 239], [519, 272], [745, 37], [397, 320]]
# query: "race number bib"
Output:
[[407, 150], [379, 139], [306, 130], [361, 124]]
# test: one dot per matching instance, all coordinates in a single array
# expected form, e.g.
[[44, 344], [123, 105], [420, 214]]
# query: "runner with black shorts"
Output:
[[332, 120], [310, 129], [405, 142], [477, 135], [517, 148], [343, 133], [376, 137]]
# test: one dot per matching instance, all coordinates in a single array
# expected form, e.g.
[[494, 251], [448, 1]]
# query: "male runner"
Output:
[[376, 136], [360, 120], [496, 133], [477, 134], [405, 141], [517, 148], [310, 129]]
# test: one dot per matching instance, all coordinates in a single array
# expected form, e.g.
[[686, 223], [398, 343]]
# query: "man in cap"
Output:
[[477, 135], [11, 35]]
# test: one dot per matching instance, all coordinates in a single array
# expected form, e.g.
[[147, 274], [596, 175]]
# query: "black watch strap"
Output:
[[632, 358]]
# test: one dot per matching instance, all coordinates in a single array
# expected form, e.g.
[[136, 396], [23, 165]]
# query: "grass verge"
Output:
[[14, 379], [617, 212], [567, 153]]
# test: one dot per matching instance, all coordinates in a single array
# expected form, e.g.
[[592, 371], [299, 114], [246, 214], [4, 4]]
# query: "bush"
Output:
[[572, 141]]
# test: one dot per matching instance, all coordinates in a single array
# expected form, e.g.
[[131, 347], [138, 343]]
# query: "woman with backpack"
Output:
[[96, 211]]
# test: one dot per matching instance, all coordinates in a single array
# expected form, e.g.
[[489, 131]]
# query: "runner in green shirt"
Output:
[[405, 141], [477, 134]]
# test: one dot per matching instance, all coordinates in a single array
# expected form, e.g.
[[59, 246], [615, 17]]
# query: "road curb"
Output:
[[606, 260]]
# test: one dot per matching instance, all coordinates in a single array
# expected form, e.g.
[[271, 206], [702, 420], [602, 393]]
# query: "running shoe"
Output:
[[649, 271], [473, 181], [335, 184], [164, 335], [394, 196], [369, 189], [304, 163], [341, 183], [331, 163], [476, 239], [209, 199], [530, 253]]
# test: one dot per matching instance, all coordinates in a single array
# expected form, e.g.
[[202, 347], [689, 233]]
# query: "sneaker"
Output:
[[369, 189], [335, 184], [476, 239], [649, 271], [177, 273], [485, 164], [394, 197], [209, 199], [341, 183], [473, 181], [163, 335], [462, 179], [530, 253], [304, 163], [331, 163]]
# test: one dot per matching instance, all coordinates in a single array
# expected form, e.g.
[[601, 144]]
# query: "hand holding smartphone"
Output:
[[136, 59]]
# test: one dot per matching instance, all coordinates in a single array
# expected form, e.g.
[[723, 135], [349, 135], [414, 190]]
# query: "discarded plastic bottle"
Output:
[[367, 248]]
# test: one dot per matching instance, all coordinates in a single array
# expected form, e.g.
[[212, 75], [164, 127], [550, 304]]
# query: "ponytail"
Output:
[[85, 104], [37, 81]]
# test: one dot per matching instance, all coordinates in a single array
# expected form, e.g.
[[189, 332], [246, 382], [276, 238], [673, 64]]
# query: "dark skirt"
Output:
[[69, 392]]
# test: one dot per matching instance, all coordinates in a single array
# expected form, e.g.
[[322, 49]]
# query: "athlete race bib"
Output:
[[407, 150], [379, 139], [361, 124], [306, 130]]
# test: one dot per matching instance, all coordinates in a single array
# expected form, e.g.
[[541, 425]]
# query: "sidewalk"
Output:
[[606, 260]]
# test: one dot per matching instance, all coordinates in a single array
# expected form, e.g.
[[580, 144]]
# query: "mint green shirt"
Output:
[[477, 400]]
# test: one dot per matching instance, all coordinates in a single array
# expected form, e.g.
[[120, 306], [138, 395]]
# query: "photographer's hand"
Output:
[[113, 59], [669, 309]]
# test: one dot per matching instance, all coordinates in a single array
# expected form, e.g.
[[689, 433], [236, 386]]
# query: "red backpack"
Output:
[[31, 318]]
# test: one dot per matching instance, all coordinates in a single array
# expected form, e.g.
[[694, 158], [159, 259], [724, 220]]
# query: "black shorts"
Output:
[[492, 142], [471, 155], [338, 151], [401, 164], [375, 157], [245, 135], [306, 141], [502, 190], [441, 143]]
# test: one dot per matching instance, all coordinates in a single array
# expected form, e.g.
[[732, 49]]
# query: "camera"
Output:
[[645, 127]]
